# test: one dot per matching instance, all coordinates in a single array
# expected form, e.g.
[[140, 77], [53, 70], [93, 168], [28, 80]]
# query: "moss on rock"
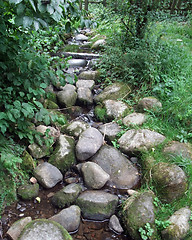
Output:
[[28, 191]]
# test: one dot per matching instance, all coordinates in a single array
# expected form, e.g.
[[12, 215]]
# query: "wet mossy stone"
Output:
[[66, 196], [139, 210], [63, 156], [42, 229], [50, 104], [114, 91], [28, 191], [170, 181], [28, 164]]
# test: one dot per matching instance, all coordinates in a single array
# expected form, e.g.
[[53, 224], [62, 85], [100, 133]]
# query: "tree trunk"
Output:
[[86, 5], [80, 4]]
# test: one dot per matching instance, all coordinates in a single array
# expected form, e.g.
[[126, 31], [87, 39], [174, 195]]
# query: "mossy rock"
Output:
[[42, 229], [52, 97], [63, 156], [101, 113], [28, 164], [50, 104], [28, 191]]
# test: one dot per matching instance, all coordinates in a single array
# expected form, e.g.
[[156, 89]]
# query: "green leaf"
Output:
[[50, 9], [20, 9], [33, 5], [10, 117], [2, 115], [17, 104], [36, 25], [27, 21], [43, 85], [15, 1]]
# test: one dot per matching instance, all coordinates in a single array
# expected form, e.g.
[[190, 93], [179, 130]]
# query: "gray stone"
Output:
[[115, 225], [52, 132], [68, 96], [178, 149], [97, 205], [139, 210], [123, 174], [89, 75], [63, 156], [85, 83], [47, 175], [134, 119], [75, 128], [28, 191], [110, 130], [94, 176], [81, 37], [17, 227], [69, 218], [179, 225], [67, 195], [89, 143], [77, 63], [149, 103], [87, 56], [115, 109], [170, 181], [139, 140], [42, 229], [38, 152], [114, 91], [85, 95], [98, 44]]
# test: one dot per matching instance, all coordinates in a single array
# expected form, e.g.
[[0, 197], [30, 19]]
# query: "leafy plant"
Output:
[[146, 231]]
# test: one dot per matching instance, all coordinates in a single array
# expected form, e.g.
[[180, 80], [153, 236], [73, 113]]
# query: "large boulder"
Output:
[[138, 211], [170, 181], [97, 205], [89, 143], [94, 176], [85, 95], [178, 149], [47, 175], [66, 196], [149, 103], [76, 127], [139, 140], [179, 225], [123, 174], [69, 218], [115, 109], [42, 229], [114, 91], [63, 156], [68, 96]]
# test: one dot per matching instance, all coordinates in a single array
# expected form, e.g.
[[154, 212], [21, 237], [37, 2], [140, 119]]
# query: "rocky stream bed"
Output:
[[81, 181]]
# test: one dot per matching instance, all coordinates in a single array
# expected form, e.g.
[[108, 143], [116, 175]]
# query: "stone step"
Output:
[[87, 56]]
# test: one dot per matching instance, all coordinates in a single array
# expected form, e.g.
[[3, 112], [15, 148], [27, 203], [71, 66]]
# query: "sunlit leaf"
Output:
[[27, 21], [33, 5]]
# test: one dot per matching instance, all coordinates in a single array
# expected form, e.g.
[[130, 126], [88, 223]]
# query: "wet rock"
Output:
[[94, 176], [81, 37], [97, 205], [75, 128], [63, 156], [42, 229], [77, 63], [51, 131], [123, 174], [38, 152], [115, 225], [134, 119], [85, 95], [170, 181], [98, 45], [176, 149], [114, 91], [149, 103], [17, 227], [69, 218], [139, 210], [28, 163], [115, 109], [85, 83], [68, 96], [139, 140], [47, 175], [28, 191], [110, 130], [179, 225], [66, 196], [89, 143], [89, 75]]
